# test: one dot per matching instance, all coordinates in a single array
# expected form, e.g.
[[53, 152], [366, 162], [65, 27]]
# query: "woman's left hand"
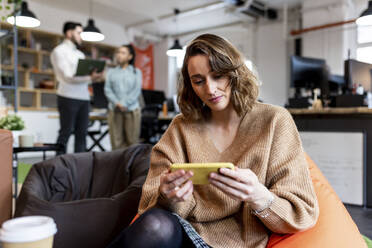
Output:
[[243, 185]]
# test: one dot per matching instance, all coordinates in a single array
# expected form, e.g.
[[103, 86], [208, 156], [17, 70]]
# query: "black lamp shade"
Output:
[[91, 32], [176, 45], [25, 11], [175, 50], [91, 27], [366, 16], [24, 17], [368, 11]]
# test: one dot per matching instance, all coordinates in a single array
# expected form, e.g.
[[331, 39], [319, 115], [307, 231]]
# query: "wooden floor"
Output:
[[363, 218]]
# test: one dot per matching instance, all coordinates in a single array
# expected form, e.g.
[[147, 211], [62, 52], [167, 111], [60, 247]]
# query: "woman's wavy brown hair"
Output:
[[224, 59]]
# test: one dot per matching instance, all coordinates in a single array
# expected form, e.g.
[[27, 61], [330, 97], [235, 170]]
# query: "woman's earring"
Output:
[[203, 104]]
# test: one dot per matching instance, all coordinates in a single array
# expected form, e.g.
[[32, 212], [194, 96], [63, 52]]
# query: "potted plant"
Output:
[[13, 123]]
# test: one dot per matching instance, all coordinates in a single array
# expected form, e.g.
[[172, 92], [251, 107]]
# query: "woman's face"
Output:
[[123, 55], [211, 87]]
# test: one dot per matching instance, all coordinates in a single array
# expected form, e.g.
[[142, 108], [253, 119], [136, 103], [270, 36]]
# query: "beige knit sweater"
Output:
[[268, 143]]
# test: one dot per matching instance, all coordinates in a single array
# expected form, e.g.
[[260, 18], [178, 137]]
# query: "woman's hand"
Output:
[[242, 185], [176, 186], [121, 107]]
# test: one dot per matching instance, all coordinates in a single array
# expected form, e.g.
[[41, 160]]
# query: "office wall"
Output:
[[52, 20], [265, 45], [331, 44], [161, 66], [272, 63]]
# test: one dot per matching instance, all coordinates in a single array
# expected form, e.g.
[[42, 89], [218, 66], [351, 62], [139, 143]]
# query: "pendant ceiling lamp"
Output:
[[24, 17], [175, 50], [366, 16], [91, 32]]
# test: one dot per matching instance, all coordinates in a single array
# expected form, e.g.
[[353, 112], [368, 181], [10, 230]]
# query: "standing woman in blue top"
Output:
[[122, 89]]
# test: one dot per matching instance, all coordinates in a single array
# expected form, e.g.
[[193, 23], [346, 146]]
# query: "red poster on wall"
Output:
[[145, 62]]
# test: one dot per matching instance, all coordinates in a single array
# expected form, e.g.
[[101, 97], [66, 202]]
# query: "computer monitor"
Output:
[[309, 73], [153, 97], [336, 83], [357, 72]]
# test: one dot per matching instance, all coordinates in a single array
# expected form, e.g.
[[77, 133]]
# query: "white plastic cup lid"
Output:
[[27, 229]]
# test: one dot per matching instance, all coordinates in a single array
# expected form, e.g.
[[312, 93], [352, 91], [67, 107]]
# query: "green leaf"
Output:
[[12, 122]]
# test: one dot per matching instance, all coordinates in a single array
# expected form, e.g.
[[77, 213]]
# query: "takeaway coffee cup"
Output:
[[28, 232], [26, 140]]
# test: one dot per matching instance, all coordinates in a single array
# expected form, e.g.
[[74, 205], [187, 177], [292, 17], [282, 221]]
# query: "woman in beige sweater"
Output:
[[270, 189]]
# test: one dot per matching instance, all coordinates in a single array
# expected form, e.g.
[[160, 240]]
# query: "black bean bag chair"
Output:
[[91, 196]]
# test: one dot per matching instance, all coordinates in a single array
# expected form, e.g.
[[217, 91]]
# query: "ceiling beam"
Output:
[[185, 13], [209, 28]]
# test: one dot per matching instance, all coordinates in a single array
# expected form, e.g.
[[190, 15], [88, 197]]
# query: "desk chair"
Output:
[[97, 135], [99, 101], [150, 123]]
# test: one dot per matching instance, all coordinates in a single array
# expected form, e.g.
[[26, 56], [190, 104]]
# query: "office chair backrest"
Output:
[[99, 97], [153, 97]]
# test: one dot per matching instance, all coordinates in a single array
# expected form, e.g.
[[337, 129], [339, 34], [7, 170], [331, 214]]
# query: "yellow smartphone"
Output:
[[201, 170]]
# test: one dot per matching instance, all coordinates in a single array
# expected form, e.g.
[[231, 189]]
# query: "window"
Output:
[[364, 50], [181, 57]]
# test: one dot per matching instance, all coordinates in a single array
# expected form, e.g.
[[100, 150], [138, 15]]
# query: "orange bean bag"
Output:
[[335, 227]]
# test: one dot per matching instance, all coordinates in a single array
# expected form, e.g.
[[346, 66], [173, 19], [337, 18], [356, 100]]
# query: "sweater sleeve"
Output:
[[295, 206], [168, 150]]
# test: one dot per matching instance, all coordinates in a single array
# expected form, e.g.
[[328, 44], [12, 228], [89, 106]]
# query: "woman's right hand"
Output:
[[121, 107], [176, 186]]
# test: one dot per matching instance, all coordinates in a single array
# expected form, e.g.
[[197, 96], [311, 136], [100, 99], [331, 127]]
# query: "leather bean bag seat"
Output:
[[91, 196], [334, 228]]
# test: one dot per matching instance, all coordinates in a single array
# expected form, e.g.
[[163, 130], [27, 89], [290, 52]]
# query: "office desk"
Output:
[[332, 111], [341, 120]]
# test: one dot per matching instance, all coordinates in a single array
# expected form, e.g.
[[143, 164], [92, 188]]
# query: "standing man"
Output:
[[123, 89], [72, 94]]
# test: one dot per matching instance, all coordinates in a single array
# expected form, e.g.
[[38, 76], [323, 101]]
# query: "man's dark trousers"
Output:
[[73, 118]]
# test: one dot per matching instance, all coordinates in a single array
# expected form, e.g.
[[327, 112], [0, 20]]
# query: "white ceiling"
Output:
[[156, 16]]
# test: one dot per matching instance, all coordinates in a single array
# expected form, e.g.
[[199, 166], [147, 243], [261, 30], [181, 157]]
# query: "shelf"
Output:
[[43, 52], [47, 109], [30, 50], [21, 69], [42, 72], [48, 91], [7, 87], [29, 108], [37, 109], [10, 68], [23, 89]]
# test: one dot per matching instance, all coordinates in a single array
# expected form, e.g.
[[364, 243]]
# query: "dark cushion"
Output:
[[91, 196]]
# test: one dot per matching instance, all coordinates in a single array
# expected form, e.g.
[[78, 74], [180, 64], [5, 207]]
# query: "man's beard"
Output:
[[78, 46]]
